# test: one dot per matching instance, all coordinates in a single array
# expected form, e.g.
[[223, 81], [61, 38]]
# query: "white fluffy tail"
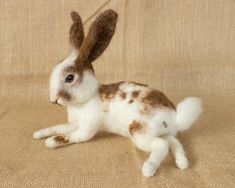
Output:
[[188, 111]]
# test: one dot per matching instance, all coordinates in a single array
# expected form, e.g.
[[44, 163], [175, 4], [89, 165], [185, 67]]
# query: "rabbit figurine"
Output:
[[130, 109]]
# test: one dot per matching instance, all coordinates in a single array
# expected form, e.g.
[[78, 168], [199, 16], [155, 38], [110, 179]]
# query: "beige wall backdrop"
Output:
[[182, 47]]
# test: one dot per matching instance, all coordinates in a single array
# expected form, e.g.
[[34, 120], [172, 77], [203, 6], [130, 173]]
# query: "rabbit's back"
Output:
[[125, 102]]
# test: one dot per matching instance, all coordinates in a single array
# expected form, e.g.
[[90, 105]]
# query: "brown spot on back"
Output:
[[157, 98], [136, 127], [135, 94], [61, 140], [109, 91], [123, 95]]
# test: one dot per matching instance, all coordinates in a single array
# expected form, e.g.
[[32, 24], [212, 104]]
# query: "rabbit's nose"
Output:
[[54, 102], [53, 97]]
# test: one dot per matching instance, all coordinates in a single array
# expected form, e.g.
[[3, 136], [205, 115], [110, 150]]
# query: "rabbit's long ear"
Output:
[[98, 38], [76, 33]]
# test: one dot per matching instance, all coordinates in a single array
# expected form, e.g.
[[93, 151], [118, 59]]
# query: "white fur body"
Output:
[[87, 118], [132, 110], [116, 115]]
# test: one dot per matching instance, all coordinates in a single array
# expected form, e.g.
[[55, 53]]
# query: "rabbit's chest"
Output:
[[88, 113]]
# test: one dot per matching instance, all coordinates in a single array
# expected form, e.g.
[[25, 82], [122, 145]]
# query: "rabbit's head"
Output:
[[73, 81]]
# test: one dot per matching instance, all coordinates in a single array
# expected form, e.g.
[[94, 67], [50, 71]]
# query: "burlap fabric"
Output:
[[181, 47]]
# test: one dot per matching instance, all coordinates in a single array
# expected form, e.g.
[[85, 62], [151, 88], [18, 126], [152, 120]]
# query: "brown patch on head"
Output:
[[76, 33], [98, 38], [123, 95], [156, 98], [81, 68], [76, 38], [70, 69], [65, 95], [109, 91], [61, 140], [136, 127], [135, 94], [78, 69]]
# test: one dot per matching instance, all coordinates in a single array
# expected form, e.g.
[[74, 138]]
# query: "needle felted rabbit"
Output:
[[130, 109]]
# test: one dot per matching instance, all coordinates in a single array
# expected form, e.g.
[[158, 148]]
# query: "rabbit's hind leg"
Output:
[[177, 151], [158, 147]]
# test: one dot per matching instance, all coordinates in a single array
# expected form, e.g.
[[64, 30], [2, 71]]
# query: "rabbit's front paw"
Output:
[[148, 169], [181, 161], [56, 141], [38, 134]]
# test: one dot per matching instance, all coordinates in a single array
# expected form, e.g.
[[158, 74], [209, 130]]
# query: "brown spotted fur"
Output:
[[136, 127], [82, 68], [150, 99], [135, 94], [123, 95], [70, 70], [156, 98], [61, 140], [131, 101], [109, 91]]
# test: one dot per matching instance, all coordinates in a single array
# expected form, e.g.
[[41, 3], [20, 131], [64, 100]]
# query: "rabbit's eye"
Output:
[[69, 78]]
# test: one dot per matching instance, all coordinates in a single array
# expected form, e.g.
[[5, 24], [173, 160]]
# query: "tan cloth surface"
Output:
[[181, 47]]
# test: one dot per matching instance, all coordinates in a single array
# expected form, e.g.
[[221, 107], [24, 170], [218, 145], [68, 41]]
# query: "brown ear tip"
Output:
[[111, 13], [74, 16]]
